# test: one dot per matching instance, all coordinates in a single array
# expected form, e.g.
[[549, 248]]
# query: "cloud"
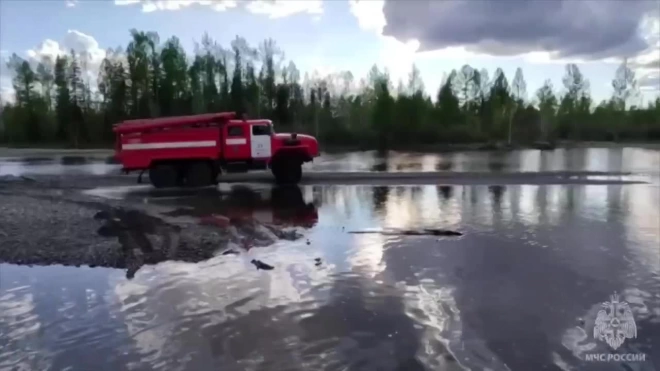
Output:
[[395, 55], [85, 46], [369, 14], [6, 92], [271, 8], [71, 3], [6, 88], [647, 69], [538, 31], [651, 64], [152, 6], [650, 82], [565, 28], [647, 63], [280, 9]]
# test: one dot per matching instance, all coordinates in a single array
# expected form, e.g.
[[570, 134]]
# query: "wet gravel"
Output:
[[46, 220], [40, 231]]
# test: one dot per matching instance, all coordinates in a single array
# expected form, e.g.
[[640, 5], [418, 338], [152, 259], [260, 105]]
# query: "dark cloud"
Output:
[[572, 28]]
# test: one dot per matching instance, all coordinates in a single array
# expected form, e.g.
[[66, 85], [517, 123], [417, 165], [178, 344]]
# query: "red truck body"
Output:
[[188, 150]]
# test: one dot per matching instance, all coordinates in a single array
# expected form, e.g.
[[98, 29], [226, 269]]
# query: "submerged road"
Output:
[[442, 178]]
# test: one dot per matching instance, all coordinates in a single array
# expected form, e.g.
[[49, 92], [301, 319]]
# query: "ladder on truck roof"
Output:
[[132, 126]]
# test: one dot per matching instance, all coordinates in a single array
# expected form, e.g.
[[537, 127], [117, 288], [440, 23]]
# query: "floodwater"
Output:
[[56, 165], [520, 290], [621, 159]]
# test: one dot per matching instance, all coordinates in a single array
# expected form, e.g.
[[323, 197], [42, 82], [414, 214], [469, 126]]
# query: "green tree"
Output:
[[63, 100], [547, 103], [624, 85], [54, 101]]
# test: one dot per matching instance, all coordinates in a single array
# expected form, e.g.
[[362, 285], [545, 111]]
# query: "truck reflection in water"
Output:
[[282, 206], [242, 218]]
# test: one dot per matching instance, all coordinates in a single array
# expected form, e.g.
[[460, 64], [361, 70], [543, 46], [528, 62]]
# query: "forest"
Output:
[[58, 102]]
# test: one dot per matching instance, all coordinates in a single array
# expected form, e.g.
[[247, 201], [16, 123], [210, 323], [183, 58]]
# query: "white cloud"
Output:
[[553, 58], [6, 88], [152, 6], [398, 57], [87, 49], [271, 8], [48, 48], [650, 81], [369, 14], [280, 8], [71, 3], [6, 92], [647, 64], [89, 53], [126, 2]]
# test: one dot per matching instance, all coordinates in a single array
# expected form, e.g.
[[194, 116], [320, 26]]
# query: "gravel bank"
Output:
[[48, 221], [53, 152]]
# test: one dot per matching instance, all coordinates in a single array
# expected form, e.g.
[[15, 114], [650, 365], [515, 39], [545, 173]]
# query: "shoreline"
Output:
[[485, 147], [107, 154]]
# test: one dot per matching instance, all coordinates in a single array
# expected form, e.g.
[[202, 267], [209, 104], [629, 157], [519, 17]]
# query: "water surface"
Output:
[[519, 290], [615, 159]]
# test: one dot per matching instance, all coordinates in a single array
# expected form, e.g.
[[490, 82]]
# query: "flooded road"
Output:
[[621, 159], [57, 165], [519, 290]]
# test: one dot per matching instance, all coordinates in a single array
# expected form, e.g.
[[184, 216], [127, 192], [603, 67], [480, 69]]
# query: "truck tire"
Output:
[[199, 174], [163, 176], [287, 172]]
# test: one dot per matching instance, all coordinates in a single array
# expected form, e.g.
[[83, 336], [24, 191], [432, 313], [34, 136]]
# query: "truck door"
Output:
[[236, 143], [260, 140]]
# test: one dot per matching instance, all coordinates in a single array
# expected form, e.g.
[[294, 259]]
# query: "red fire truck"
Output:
[[193, 150]]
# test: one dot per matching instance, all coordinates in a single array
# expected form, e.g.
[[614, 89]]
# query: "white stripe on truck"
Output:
[[236, 141], [164, 145]]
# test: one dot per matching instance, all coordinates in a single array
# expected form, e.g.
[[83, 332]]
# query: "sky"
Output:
[[539, 36]]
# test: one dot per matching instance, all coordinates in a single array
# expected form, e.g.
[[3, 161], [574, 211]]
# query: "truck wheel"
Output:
[[163, 176], [199, 174], [287, 173]]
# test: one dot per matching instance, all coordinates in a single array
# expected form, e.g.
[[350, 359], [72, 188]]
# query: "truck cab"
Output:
[[255, 144]]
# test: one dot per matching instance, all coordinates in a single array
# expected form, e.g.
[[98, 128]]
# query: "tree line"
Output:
[[55, 102]]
